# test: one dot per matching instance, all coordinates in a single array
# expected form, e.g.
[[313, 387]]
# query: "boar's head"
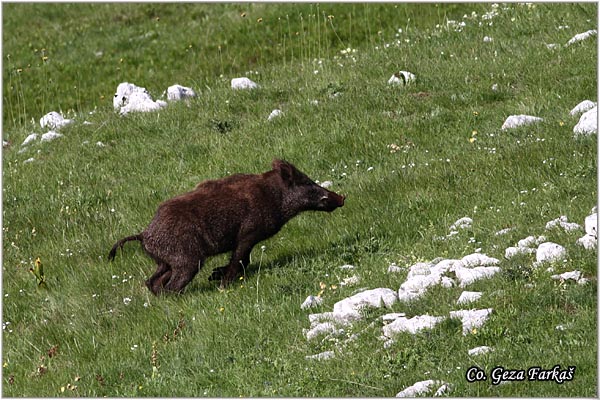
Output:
[[301, 193]]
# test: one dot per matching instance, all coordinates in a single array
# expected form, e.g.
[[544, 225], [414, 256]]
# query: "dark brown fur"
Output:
[[230, 214]]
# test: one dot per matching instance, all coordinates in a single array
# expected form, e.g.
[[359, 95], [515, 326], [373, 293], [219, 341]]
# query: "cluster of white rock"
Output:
[[132, 98], [590, 239], [424, 387], [587, 125], [53, 121], [440, 272]]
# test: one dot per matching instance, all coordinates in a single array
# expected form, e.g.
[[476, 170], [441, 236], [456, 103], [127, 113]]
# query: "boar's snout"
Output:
[[331, 200]]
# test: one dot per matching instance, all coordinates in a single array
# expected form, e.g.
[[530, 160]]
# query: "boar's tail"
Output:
[[120, 243]]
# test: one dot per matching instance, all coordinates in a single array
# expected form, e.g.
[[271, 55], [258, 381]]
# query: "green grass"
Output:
[[76, 199]]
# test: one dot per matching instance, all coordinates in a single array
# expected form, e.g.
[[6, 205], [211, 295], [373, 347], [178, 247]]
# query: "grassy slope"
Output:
[[76, 199]]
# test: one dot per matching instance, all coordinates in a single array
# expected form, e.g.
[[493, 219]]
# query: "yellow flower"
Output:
[[472, 140], [259, 20], [222, 309], [561, 123], [474, 132]]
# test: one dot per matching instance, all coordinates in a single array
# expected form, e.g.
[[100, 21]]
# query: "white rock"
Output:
[[132, 98], [467, 276], [591, 224], [511, 252], [412, 325], [462, 223], [514, 121], [178, 92], [589, 242], [402, 78], [329, 316], [424, 387], [590, 239], [29, 160], [320, 329], [54, 120], [51, 135], [274, 114], [563, 223], [581, 36], [422, 276], [503, 231], [479, 350], [420, 268], [574, 275], [311, 301], [588, 123], [100, 144], [548, 252], [393, 268], [442, 390], [416, 286], [141, 102], [124, 89], [352, 280], [468, 297], [531, 241], [350, 307], [471, 319], [444, 265], [447, 282], [29, 139], [326, 355], [476, 260], [326, 184], [487, 39], [582, 107], [243, 83]]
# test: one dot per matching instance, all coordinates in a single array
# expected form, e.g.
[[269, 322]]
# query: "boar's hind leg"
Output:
[[181, 276], [162, 275]]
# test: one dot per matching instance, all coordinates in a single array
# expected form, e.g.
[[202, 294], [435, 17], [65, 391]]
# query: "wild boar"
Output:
[[230, 214]]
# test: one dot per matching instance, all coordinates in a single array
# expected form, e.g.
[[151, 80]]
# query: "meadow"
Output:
[[411, 159]]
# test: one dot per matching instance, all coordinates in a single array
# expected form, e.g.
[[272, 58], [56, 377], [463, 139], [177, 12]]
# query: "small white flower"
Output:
[[126, 301]]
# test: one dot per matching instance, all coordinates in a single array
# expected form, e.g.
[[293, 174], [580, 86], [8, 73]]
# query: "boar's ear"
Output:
[[285, 169]]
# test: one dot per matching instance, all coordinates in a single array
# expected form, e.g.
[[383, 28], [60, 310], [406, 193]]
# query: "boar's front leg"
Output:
[[240, 259]]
